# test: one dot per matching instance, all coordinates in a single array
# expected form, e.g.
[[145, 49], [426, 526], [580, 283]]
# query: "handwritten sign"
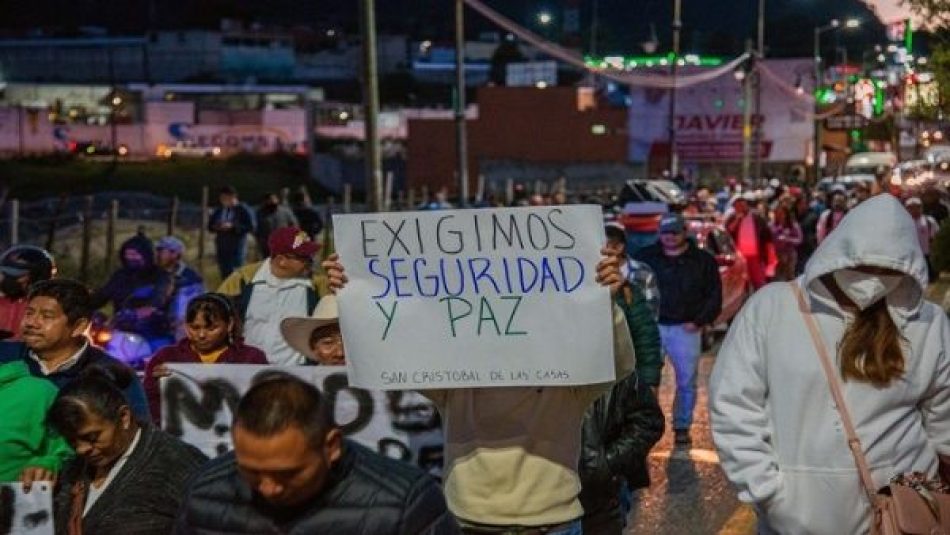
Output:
[[23, 513], [199, 401], [474, 298]]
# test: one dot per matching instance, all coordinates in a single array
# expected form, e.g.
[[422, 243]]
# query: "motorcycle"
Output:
[[124, 338], [131, 348]]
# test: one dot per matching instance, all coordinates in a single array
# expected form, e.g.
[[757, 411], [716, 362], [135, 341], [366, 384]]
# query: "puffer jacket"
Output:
[[618, 431], [644, 333], [365, 494]]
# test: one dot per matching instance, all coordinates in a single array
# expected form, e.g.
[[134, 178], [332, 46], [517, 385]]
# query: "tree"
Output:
[[937, 13]]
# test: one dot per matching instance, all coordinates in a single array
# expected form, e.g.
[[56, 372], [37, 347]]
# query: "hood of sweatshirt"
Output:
[[877, 233]]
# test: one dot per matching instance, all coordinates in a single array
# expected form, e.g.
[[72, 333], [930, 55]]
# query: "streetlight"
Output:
[[833, 24], [545, 18]]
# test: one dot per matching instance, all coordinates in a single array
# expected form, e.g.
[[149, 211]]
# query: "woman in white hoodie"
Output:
[[779, 435]]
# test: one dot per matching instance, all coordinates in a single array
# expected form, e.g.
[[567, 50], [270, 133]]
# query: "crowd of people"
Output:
[[517, 460]]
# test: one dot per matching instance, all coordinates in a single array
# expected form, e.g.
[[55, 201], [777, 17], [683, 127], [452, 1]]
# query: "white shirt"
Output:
[[93, 494], [66, 364], [273, 300]]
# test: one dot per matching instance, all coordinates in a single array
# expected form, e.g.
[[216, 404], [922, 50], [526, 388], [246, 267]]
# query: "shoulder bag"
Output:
[[907, 505]]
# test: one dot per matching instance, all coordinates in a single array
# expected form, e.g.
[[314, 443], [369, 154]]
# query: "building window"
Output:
[[598, 129]]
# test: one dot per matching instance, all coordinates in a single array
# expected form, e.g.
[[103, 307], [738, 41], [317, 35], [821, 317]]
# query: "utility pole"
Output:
[[374, 167], [677, 25], [758, 118], [461, 141], [747, 116], [816, 149]]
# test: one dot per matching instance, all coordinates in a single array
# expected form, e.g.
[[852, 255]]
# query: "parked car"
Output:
[[713, 237], [96, 148], [187, 149]]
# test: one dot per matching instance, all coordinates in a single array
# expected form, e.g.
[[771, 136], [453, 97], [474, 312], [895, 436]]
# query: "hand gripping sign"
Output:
[[474, 298]]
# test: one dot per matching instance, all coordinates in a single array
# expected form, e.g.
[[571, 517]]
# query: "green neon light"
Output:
[[878, 100], [908, 35], [652, 61]]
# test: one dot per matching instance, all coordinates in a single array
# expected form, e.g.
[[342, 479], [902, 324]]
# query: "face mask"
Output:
[[864, 289]]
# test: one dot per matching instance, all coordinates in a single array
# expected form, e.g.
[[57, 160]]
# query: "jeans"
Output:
[[574, 528], [683, 349]]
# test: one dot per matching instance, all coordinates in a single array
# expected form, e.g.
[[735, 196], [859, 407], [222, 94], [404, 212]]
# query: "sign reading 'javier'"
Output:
[[474, 298]]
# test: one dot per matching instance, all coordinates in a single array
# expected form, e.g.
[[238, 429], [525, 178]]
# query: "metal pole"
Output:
[[86, 239], [14, 221], [203, 226], [461, 141], [110, 233], [374, 166], [593, 29], [747, 118], [816, 148], [677, 24], [757, 116]]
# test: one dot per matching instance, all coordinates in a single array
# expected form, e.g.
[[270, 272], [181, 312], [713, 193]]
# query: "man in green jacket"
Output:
[[29, 451]]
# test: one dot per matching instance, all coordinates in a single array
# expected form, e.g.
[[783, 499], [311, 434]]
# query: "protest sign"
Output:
[[199, 401], [23, 513], [474, 298]]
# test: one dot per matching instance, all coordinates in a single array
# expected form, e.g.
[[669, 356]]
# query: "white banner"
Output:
[[474, 298], [199, 401], [26, 513], [709, 117]]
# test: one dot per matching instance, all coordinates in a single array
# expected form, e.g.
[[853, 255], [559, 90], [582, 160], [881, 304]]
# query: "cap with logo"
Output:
[[291, 241]]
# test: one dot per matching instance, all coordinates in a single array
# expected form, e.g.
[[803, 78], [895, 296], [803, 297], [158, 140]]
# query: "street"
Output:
[[689, 494]]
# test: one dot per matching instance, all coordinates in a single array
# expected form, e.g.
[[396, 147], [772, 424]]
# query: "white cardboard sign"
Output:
[[199, 400], [474, 298], [24, 513]]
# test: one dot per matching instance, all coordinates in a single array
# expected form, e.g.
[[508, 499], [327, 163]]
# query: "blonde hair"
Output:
[[871, 348]]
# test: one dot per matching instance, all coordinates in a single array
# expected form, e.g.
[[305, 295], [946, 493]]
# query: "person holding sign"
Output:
[[213, 337], [511, 453], [126, 477], [292, 471]]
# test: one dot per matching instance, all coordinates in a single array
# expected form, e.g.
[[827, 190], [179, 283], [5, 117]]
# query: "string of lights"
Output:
[[659, 81]]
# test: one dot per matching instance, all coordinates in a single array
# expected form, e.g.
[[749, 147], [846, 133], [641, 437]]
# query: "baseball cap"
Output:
[[171, 243], [291, 241], [672, 223]]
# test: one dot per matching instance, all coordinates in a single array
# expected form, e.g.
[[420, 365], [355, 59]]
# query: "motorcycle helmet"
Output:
[[21, 260]]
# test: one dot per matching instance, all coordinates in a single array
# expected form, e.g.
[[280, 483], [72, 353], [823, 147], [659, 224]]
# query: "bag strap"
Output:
[[854, 443]]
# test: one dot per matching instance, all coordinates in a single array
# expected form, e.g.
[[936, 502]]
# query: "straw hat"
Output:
[[297, 331]]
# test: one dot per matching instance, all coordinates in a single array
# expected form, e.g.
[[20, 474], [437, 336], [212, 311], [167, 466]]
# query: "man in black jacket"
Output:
[[688, 278], [291, 472], [619, 430], [231, 223]]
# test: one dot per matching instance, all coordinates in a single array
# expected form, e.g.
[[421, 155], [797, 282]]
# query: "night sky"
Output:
[[624, 24]]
